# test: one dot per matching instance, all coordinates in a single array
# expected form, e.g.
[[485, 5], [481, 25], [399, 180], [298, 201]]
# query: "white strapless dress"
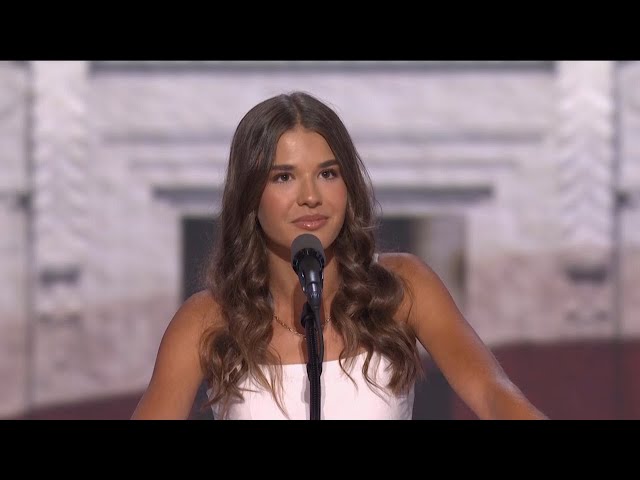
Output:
[[341, 399]]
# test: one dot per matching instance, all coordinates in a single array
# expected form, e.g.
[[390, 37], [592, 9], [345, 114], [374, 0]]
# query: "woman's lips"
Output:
[[310, 222]]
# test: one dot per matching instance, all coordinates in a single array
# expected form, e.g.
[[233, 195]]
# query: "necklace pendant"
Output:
[[275, 317]]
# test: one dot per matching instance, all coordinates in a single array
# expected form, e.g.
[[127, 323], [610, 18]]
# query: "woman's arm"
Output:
[[177, 374], [466, 362]]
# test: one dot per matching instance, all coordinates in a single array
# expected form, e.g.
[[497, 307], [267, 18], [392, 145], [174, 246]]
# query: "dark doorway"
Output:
[[198, 235]]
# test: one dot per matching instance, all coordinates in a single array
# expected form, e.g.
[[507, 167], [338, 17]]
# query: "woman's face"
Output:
[[305, 192]]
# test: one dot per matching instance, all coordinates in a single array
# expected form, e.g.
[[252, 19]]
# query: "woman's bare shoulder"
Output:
[[200, 310], [403, 264], [408, 268], [177, 373], [415, 273]]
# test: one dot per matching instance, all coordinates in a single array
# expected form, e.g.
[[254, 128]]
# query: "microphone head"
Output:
[[306, 244]]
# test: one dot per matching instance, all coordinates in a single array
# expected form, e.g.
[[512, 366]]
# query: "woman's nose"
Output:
[[309, 193]]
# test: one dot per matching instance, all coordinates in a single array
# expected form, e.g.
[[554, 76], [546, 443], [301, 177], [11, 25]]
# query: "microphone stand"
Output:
[[310, 320]]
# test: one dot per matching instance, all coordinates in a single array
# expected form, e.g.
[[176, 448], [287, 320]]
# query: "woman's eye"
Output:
[[281, 177]]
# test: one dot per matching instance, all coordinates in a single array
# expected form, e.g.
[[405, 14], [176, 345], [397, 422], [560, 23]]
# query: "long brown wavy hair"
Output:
[[238, 277]]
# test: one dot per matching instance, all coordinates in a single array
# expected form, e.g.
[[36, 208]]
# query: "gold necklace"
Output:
[[295, 332]]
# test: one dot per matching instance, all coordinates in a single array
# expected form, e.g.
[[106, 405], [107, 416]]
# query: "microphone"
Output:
[[307, 260]]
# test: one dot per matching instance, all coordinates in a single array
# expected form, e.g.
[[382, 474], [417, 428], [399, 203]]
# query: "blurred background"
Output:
[[518, 182]]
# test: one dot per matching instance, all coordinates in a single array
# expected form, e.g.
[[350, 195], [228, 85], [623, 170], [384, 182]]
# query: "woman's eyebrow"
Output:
[[287, 168]]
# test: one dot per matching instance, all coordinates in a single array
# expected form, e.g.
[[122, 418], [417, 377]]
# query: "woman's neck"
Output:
[[285, 288]]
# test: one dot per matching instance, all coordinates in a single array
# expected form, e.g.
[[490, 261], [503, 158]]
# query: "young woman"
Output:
[[294, 169]]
